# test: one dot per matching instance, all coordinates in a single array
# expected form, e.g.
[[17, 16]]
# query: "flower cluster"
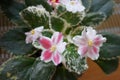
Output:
[[56, 37], [88, 43], [70, 5]]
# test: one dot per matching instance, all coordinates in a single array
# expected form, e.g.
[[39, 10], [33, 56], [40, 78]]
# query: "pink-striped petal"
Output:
[[46, 55], [57, 37], [53, 3], [98, 41], [57, 58], [93, 53], [83, 51], [79, 40], [45, 42], [95, 49]]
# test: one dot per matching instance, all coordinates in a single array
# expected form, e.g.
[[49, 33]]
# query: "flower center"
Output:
[[32, 32], [90, 43], [72, 2], [53, 1], [53, 48]]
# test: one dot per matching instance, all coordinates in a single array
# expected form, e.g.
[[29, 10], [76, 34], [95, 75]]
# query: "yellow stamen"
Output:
[[72, 2], [53, 48], [90, 43], [53, 1], [32, 32]]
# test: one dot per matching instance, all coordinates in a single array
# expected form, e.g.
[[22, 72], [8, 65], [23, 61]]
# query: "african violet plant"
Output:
[[54, 38]]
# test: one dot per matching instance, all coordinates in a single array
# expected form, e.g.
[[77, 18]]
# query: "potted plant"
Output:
[[54, 38]]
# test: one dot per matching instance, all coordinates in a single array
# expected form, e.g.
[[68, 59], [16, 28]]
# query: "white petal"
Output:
[[79, 40], [57, 38], [75, 7], [91, 33], [39, 29], [61, 47]]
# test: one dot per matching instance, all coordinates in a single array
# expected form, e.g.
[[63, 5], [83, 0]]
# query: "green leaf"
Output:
[[47, 33], [26, 68], [108, 66], [87, 4], [111, 49], [93, 19], [36, 16], [17, 68], [77, 30], [73, 61], [14, 41], [57, 23], [39, 2], [63, 74], [11, 9], [42, 71], [112, 38], [71, 18], [104, 6]]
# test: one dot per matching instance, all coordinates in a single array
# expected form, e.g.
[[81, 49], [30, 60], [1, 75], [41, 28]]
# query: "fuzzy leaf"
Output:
[[42, 71], [26, 68], [73, 61], [104, 6], [57, 23], [14, 41], [11, 9], [108, 66], [87, 4], [39, 2], [47, 33], [111, 49], [71, 18], [63, 74], [36, 16], [17, 68], [93, 19]]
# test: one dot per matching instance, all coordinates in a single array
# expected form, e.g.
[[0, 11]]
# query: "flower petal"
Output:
[[79, 40], [57, 58], [46, 55], [45, 42], [73, 5], [91, 33], [98, 41], [93, 53], [28, 39], [57, 37], [83, 51], [61, 47], [53, 2], [39, 29]]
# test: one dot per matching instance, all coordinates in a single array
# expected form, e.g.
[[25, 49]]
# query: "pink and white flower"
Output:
[[54, 3], [89, 43], [52, 48], [34, 34], [73, 5]]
